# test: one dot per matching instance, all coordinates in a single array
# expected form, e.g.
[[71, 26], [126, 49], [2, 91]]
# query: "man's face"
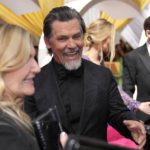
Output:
[[147, 32], [66, 43]]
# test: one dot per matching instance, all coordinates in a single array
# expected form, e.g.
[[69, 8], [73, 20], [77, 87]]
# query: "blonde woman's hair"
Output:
[[97, 32], [15, 46]]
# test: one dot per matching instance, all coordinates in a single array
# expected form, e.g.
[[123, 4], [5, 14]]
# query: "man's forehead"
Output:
[[65, 27]]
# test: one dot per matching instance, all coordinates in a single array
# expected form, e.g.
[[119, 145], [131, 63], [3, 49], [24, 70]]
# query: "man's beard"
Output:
[[72, 64]]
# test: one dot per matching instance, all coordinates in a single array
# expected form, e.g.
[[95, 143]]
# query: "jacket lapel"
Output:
[[56, 99], [145, 58], [90, 92]]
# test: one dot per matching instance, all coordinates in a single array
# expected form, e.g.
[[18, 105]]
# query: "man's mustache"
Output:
[[70, 50]]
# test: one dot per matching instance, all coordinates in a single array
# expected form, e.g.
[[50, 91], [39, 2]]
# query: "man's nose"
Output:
[[71, 44]]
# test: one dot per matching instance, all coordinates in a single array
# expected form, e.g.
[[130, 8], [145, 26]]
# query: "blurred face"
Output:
[[66, 43], [20, 82], [147, 32], [105, 44]]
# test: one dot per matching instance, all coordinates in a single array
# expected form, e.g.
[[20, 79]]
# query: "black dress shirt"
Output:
[[70, 85]]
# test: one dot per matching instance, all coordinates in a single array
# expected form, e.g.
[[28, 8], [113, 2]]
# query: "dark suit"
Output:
[[12, 137], [137, 72], [101, 104]]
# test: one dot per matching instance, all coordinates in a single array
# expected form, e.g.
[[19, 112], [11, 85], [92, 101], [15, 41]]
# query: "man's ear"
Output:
[[47, 43], [147, 32]]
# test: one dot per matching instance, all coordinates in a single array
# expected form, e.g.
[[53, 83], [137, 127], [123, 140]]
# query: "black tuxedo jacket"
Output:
[[13, 137], [102, 102], [136, 71]]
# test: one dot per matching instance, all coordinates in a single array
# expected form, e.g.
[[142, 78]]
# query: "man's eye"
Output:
[[77, 36], [62, 38]]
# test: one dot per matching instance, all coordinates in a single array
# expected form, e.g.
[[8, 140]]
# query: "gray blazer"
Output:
[[136, 71], [13, 137]]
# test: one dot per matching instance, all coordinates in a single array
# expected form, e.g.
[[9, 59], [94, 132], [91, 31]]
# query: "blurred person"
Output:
[[17, 70], [119, 54], [71, 83], [136, 72], [123, 46], [99, 37]]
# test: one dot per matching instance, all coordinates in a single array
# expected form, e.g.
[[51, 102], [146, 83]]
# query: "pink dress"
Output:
[[114, 137]]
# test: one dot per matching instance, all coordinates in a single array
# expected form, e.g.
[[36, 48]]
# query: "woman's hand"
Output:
[[63, 138], [145, 107]]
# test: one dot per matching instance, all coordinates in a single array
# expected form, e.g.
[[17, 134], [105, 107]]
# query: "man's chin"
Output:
[[73, 64]]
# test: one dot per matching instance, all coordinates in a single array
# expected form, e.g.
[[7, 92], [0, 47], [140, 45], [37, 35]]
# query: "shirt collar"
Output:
[[62, 73], [148, 47]]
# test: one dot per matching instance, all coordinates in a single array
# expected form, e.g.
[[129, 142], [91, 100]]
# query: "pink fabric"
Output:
[[114, 137]]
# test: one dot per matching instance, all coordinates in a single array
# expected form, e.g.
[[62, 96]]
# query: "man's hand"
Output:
[[137, 131]]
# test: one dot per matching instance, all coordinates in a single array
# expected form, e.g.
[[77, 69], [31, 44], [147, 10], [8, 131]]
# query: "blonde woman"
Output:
[[100, 38], [17, 70]]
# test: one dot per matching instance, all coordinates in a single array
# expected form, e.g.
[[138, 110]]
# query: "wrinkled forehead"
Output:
[[72, 25]]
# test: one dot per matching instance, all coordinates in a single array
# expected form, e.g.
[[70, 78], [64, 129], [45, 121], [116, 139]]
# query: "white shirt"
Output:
[[148, 47]]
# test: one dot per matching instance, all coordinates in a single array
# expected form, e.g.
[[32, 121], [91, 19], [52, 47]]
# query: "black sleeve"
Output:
[[30, 107], [118, 112], [129, 73], [12, 139]]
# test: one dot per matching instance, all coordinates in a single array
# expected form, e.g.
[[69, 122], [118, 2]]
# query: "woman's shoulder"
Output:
[[6, 122], [92, 67], [4, 118], [13, 137], [86, 57]]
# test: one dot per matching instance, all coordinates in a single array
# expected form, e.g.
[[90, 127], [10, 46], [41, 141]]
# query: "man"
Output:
[[137, 72], [85, 94]]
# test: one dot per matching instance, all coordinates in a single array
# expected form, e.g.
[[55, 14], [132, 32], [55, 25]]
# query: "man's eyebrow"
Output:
[[61, 36], [79, 33]]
